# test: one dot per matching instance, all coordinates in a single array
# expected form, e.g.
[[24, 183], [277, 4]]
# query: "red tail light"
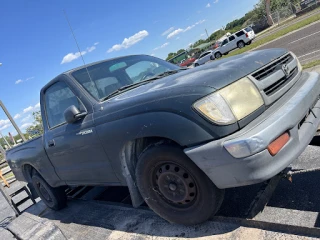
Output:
[[247, 35]]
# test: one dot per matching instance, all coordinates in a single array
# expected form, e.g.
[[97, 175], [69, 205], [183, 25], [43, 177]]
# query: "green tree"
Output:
[[37, 128], [180, 51]]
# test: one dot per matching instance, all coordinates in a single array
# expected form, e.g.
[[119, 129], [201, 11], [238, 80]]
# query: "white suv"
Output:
[[236, 40]]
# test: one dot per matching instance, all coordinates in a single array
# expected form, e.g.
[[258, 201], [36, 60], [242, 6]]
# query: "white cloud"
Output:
[[28, 109], [31, 108], [208, 5], [21, 80], [17, 116], [73, 56], [37, 106], [26, 119], [215, 1], [201, 35], [201, 21], [90, 49], [174, 33], [4, 124], [128, 42], [162, 46], [189, 27], [25, 125], [152, 54], [166, 32]]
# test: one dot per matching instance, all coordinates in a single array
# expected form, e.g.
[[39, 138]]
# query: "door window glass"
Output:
[[231, 38], [58, 98], [224, 42]]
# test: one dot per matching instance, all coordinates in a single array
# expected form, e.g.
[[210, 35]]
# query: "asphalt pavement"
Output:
[[305, 43]]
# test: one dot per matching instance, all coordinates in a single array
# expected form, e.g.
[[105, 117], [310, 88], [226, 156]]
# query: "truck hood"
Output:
[[216, 74]]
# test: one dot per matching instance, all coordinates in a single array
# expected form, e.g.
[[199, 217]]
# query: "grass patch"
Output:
[[278, 34], [311, 64]]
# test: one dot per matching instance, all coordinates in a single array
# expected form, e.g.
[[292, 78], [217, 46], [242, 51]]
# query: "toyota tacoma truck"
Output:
[[176, 137]]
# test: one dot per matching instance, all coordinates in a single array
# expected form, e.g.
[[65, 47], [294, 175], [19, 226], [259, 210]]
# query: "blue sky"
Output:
[[36, 43]]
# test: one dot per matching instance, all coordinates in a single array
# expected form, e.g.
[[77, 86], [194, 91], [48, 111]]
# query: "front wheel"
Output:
[[175, 188], [211, 58], [54, 198], [218, 55]]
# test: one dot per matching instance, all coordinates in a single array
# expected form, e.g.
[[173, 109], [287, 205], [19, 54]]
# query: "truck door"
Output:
[[74, 149], [225, 46], [232, 43]]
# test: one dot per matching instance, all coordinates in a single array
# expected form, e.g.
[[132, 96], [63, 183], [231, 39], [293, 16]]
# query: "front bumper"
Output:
[[291, 113]]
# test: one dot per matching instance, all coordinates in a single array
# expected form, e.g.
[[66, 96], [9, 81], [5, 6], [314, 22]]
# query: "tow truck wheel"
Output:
[[54, 198], [174, 187]]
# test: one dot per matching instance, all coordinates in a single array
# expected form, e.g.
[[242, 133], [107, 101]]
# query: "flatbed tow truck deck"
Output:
[[286, 207]]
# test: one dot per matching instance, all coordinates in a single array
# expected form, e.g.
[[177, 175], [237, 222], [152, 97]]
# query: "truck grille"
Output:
[[281, 82], [267, 71], [277, 77]]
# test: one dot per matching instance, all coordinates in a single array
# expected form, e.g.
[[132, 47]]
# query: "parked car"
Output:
[[188, 62], [177, 138], [204, 57], [236, 40]]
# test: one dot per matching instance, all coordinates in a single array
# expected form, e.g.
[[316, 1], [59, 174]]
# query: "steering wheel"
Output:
[[148, 74]]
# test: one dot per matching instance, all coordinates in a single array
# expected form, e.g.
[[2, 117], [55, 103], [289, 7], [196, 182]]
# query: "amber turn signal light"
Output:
[[278, 144]]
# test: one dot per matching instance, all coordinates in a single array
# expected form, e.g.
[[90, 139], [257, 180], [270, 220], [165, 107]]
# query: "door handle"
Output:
[[51, 143]]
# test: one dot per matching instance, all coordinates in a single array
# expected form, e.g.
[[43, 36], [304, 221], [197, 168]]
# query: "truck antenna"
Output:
[[74, 36]]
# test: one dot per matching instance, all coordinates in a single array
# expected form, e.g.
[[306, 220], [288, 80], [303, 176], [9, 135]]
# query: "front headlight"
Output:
[[231, 103], [299, 64]]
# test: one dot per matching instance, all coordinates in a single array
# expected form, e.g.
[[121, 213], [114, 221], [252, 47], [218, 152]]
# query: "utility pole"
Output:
[[207, 33], [12, 121]]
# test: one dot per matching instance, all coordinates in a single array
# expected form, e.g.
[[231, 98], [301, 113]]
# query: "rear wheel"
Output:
[[248, 43], [175, 188], [211, 57], [54, 198], [218, 55], [241, 44]]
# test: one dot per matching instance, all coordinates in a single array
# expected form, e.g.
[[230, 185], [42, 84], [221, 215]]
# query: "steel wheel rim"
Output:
[[175, 185]]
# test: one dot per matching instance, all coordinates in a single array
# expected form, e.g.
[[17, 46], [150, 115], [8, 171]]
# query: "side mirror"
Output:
[[72, 114]]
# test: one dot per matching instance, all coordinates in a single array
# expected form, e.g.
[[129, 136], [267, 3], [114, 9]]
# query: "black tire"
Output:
[[211, 58], [226, 53], [248, 43], [164, 169], [241, 44], [54, 198], [217, 55]]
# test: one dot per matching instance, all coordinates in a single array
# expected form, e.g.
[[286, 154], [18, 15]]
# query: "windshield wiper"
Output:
[[137, 84]]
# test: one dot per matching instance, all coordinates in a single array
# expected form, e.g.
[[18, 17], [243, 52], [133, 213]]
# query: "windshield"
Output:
[[109, 76]]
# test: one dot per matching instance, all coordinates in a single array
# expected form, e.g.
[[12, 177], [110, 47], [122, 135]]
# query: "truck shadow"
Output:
[[103, 220]]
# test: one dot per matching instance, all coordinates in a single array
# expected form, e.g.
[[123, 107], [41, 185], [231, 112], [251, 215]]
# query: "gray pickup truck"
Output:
[[176, 137]]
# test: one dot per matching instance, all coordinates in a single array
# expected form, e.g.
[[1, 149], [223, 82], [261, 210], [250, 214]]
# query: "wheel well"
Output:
[[129, 157], [27, 171]]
